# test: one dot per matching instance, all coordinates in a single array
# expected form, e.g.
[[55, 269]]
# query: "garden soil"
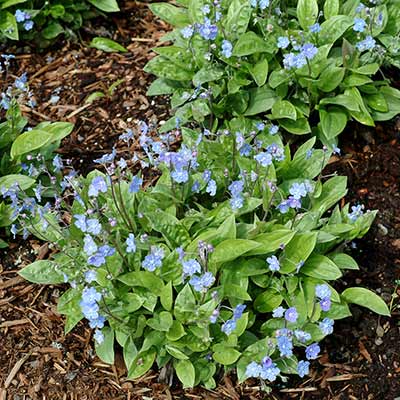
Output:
[[359, 361]]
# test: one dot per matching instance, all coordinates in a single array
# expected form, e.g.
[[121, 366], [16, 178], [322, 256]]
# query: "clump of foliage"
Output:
[[227, 261], [27, 159], [309, 66], [44, 20]]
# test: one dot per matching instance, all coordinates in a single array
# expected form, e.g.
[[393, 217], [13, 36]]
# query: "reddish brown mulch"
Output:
[[361, 360]]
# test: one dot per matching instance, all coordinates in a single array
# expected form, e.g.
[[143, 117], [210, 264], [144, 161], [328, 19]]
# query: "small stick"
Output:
[[15, 369], [306, 389]]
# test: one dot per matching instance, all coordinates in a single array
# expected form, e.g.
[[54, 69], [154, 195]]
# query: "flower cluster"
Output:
[[25, 18]]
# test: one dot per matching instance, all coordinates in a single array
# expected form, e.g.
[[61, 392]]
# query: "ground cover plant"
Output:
[[307, 66], [228, 261], [27, 155], [43, 21]]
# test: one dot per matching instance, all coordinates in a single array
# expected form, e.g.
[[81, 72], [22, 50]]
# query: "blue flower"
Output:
[[315, 28], [273, 129], [214, 316], [260, 126], [285, 346], [359, 25], [302, 336], [264, 159], [270, 372], [356, 212], [322, 291], [263, 4], [207, 30], [303, 368], [226, 48], [153, 260], [87, 225], [90, 246], [229, 326], [312, 351], [98, 322], [28, 25], [278, 312], [325, 304], [21, 16], [97, 185], [283, 42], [203, 282], [236, 187], [291, 314], [211, 187], [187, 32], [191, 267], [238, 311], [368, 43], [309, 51], [253, 370], [57, 163], [135, 185], [130, 243], [90, 276], [98, 336], [107, 158], [236, 202], [298, 190], [326, 326], [180, 175], [273, 263]]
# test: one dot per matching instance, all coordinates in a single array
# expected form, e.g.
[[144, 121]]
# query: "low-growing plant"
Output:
[[27, 154], [309, 66], [228, 261], [44, 20]]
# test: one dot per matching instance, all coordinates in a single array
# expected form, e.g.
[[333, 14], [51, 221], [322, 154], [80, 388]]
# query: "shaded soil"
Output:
[[361, 360]]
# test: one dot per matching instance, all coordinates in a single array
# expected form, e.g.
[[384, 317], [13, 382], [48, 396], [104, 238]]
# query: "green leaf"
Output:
[[59, 130], [249, 43], [343, 261], [143, 278], [52, 30], [284, 109], [334, 28], [129, 352], [236, 292], [344, 100], [299, 127], [176, 16], [185, 372], [333, 121], [331, 8], [365, 298], [161, 322], [307, 13], [5, 4], [8, 25], [267, 301], [226, 357], [3, 244], [238, 18], [272, 241], [105, 5], [43, 272], [29, 141], [143, 362], [261, 99], [321, 267], [297, 251], [23, 182], [330, 78], [176, 353], [164, 68], [107, 45], [231, 249], [176, 331], [259, 72], [363, 116], [333, 190], [166, 296], [105, 350], [208, 73]]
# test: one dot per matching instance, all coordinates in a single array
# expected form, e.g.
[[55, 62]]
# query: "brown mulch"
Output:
[[361, 360]]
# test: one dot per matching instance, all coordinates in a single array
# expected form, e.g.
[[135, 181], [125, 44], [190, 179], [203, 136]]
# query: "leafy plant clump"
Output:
[[27, 160], [43, 21], [307, 66], [228, 261]]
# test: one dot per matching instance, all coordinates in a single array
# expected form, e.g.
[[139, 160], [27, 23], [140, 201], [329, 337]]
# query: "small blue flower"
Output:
[[312, 351], [207, 30], [273, 129], [236, 187], [28, 25], [238, 311], [214, 316], [264, 159], [236, 202], [273, 263], [98, 336], [368, 43], [226, 49], [359, 25], [130, 243], [285, 346], [90, 246], [269, 373], [20, 16], [191, 267], [291, 314], [316, 28], [253, 370], [278, 312], [322, 291], [302, 336], [97, 185], [153, 260], [229, 326], [298, 190], [309, 51], [326, 326], [260, 126], [211, 187], [303, 368], [180, 175], [187, 32], [135, 185], [90, 276], [356, 212], [325, 304], [263, 4], [203, 282], [283, 42]]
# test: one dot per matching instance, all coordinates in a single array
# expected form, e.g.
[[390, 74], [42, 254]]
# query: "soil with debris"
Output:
[[361, 360]]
